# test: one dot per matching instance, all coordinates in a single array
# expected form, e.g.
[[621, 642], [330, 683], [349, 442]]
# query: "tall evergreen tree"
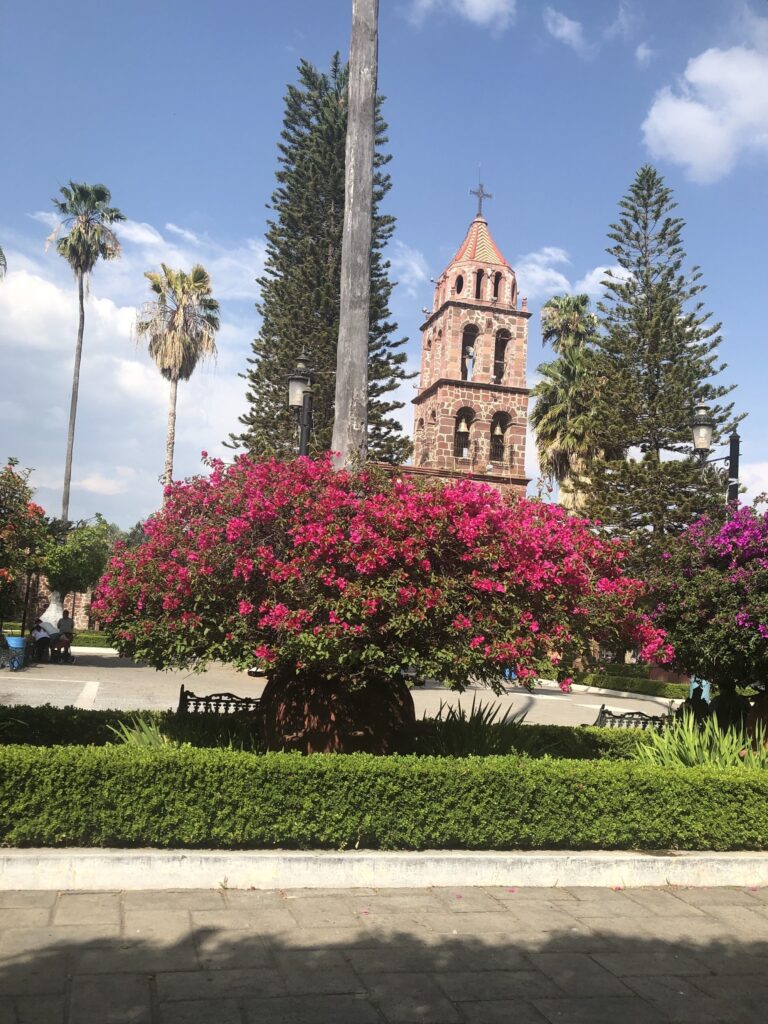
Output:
[[658, 354], [300, 289]]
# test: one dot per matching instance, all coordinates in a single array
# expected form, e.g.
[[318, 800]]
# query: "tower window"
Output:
[[461, 433], [469, 351], [500, 355], [479, 284], [496, 284], [499, 425], [459, 284]]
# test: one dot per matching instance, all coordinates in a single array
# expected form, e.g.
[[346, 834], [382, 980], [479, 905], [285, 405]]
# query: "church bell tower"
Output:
[[472, 404]]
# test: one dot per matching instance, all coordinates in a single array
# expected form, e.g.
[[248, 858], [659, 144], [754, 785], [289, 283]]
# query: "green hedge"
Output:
[[632, 684], [117, 797], [49, 726]]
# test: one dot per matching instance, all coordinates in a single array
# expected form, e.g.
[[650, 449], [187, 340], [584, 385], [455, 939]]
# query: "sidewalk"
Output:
[[367, 956]]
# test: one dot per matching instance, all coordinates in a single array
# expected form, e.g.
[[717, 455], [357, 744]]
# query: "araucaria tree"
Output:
[[300, 289], [658, 356], [88, 219], [180, 327]]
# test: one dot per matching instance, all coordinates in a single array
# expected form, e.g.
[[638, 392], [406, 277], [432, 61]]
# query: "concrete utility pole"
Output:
[[351, 410]]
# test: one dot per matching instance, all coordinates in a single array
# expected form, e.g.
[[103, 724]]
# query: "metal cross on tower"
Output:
[[481, 195]]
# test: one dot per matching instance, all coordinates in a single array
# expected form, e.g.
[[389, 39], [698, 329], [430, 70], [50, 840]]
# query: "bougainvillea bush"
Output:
[[712, 594], [356, 576], [22, 530]]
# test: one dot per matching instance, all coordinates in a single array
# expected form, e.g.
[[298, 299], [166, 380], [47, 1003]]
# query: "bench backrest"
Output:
[[630, 720], [216, 704]]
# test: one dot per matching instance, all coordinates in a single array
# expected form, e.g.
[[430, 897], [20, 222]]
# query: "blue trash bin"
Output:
[[17, 646], [705, 685]]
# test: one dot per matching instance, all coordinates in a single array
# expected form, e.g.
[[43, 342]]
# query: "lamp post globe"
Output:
[[300, 400], [703, 426]]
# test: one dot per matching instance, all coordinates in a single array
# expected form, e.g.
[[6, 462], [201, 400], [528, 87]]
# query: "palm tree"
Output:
[[563, 417], [180, 325], [87, 215], [567, 322]]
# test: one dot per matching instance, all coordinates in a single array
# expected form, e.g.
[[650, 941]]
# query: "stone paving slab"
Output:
[[423, 956]]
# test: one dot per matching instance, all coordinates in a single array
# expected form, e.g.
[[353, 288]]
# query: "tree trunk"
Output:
[[170, 437], [73, 401], [351, 408]]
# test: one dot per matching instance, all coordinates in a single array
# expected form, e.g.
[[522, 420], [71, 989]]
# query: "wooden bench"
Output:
[[630, 720], [216, 704]]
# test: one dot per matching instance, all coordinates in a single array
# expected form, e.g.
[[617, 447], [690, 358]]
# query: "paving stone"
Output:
[[464, 900], [24, 917], [179, 899], [405, 998], [101, 1000], [707, 898], [136, 958], [732, 961], [662, 903], [87, 908], [600, 1010], [734, 988], [28, 898], [577, 974], [471, 924], [245, 898], [219, 948], [529, 894], [317, 971], [159, 926], [332, 894], [19, 940], [334, 912], [317, 1010], [201, 1011], [39, 1010], [254, 919], [7, 1012], [400, 903], [463, 986], [225, 984], [543, 916], [489, 1011], [650, 964], [35, 973], [741, 922], [680, 1000], [322, 938]]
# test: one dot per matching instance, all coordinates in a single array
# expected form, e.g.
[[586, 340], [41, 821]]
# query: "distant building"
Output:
[[472, 405]]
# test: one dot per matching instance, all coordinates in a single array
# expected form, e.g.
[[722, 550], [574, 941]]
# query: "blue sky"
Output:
[[177, 108]]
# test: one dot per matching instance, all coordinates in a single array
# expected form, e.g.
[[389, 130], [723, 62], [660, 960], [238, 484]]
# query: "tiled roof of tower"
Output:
[[478, 245]]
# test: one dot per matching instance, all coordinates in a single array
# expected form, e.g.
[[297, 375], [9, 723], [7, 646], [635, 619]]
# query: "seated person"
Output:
[[42, 641], [66, 628]]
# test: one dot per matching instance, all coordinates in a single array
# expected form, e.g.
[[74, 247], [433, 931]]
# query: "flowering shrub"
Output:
[[357, 576], [712, 597], [22, 529]]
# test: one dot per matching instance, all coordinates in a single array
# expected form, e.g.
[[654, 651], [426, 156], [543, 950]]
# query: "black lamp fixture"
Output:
[[300, 400], [703, 428]]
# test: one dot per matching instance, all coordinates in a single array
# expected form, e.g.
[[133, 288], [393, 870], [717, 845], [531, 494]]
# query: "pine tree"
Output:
[[658, 354], [300, 288]]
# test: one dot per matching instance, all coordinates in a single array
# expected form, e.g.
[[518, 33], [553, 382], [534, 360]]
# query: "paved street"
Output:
[[99, 680], [436, 956]]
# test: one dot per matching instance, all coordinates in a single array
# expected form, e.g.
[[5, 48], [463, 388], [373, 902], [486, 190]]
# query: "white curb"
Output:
[[98, 869]]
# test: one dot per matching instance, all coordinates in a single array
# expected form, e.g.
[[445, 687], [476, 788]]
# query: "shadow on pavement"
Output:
[[359, 957]]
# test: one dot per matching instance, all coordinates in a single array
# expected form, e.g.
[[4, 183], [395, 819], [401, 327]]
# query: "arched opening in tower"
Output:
[[464, 419], [501, 346], [499, 426], [468, 351]]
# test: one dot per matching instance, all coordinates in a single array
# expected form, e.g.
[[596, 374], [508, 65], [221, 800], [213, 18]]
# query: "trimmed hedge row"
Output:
[[118, 797], [635, 684], [49, 726]]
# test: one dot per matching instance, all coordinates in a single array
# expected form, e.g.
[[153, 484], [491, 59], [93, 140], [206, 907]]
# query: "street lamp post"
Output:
[[703, 428], [300, 400]]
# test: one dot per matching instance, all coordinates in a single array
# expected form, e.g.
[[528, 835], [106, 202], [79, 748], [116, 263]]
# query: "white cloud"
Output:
[[537, 273], [592, 281], [409, 267], [567, 31], [754, 476], [644, 54], [717, 113], [188, 236], [625, 22], [122, 409], [497, 14]]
